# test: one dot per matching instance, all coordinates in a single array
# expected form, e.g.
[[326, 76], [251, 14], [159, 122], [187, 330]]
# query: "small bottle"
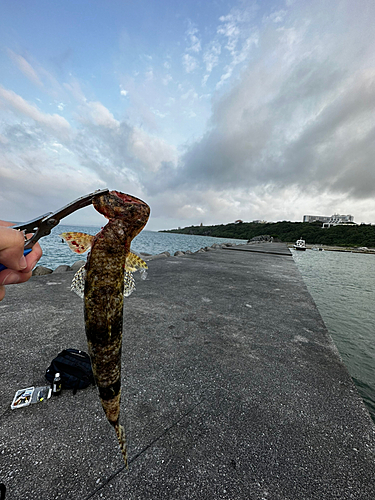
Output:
[[56, 384]]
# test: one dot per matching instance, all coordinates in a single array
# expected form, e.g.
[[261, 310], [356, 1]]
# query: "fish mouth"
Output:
[[117, 205]]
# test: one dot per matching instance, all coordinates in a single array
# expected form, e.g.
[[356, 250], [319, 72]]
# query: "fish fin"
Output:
[[120, 432], [129, 284], [134, 263], [78, 282], [78, 242]]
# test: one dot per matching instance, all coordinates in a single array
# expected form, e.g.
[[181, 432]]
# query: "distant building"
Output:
[[316, 218], [258, 221], [340, 220], [334, 220], [238, 221]]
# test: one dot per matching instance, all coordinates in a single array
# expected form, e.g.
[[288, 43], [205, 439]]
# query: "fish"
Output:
[[104, 295], [81, 242]]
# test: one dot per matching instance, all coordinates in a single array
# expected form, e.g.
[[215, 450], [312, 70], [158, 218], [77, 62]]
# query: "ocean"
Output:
[[57, 252], [341, 284]]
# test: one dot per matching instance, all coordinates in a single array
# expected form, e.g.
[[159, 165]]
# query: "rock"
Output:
[[77, 265], [145, 254], [217, 245], [201, 250], [41, 271], [166, 253], [261, 238], [189, 252], [61, 269], [179, 253]]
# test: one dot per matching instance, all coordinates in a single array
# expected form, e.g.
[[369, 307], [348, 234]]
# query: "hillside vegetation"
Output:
[[347, 236]]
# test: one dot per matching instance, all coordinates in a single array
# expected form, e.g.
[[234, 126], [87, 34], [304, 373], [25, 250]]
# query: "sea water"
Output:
[[342, 285], [56, 252]]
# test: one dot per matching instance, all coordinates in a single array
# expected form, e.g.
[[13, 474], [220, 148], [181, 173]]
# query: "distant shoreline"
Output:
[[337, 237]]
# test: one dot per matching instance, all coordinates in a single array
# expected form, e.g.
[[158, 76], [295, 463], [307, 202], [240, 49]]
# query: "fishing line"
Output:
[[136, 456]]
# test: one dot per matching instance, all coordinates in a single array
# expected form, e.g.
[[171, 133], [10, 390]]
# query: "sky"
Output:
[[208, 110]]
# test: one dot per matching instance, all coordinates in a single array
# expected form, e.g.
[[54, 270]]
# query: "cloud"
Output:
[[211, 55], [190, 63], [34, 179], [46, 158], [55, 123], [301, 115], [100, 115], [194, 41], [231, 31], [239, 37], [288, 130], [168, 78], [25, 67], [151, 152], [211, 58]]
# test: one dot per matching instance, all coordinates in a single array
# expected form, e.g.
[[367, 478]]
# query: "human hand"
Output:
[[18, 266]]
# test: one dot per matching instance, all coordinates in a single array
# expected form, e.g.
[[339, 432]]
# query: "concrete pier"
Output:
[[231, 389]]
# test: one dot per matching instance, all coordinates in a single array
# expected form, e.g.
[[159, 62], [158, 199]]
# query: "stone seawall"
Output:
[[42, 270]]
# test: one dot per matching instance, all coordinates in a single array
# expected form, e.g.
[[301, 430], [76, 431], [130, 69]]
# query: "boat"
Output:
[[300, 244]]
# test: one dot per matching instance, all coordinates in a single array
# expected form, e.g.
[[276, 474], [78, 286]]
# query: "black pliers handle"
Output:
[[43, 225]]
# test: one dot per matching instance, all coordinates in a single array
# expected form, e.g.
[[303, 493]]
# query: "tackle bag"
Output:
[[74, 367]]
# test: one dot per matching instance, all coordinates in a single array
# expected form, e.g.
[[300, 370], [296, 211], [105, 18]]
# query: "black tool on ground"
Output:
[[74, 367], [43, 225]]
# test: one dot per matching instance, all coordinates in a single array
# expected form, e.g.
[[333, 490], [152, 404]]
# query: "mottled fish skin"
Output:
[[104, 295]]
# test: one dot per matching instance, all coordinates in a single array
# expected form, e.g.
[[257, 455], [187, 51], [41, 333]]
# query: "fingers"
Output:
[[18, 266], [10, 277], [33, 257], [11, 249]]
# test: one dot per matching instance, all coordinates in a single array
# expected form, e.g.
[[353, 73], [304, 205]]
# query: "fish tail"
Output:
[[120, 431]]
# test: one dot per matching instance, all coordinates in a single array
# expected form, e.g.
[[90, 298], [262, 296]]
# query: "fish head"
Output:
[[116, 205]]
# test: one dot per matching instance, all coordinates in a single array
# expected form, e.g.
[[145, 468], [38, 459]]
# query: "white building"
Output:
[[334, 220], [316, 218]]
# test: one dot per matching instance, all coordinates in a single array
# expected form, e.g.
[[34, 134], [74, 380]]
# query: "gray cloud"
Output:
[[301, 114], [291, 130]]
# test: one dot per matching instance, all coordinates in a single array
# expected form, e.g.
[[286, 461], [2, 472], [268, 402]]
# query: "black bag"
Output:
[[74, 367]]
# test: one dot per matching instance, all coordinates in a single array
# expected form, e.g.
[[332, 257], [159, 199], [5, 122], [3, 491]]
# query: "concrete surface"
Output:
[[231, 389]]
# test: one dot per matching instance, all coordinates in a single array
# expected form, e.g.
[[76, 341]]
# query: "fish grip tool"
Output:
[[43, 225]]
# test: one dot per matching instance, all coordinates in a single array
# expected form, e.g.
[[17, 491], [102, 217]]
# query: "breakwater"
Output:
[[231, 386], [56, 252], [42, 270], [335, 281]]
